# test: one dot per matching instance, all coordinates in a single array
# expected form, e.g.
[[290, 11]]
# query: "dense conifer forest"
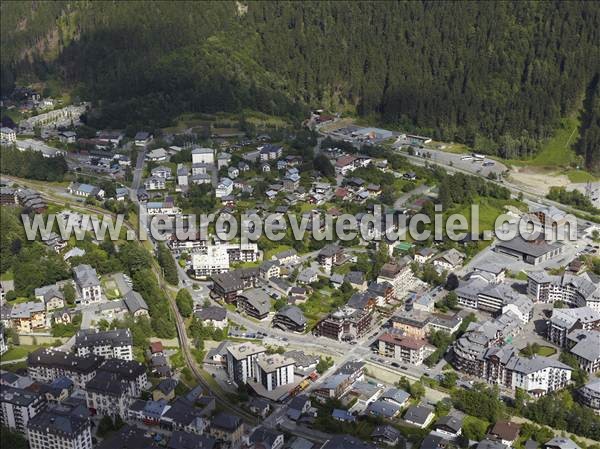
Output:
[[495, 75]]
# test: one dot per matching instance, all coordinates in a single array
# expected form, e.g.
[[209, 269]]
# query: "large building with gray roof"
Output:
[[532, 252], [241, 361], [255, 303], [290, 318], [585, 346], [18, 406], [564, 321], [114, 343], [574, 290], [61, 427]]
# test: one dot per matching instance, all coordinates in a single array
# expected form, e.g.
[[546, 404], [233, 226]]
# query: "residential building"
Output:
[[8, 135], [157, 155], [270, 269], [161, 171], [224, 188], [424, 254], [203, 155], [241, 360], [85, 190], [287, 257], [573, 290], [135, 304], [561, 443], [115, 343], [398, 274], [536, 376], [185, 440], [108, 395], [274, 371], [255, 303], [162, 208], [229, 285], [419, 415], [227, 429], [60, 426], [290, 318], [18, 406], [449, 425], [344, 324], [564, 321], [334, 387], [506, 432], [87, 284], [388, 435], [449, 260], [45, 365], [589, 395], [270, 152], [155, 183], [214, 316], [585, 346], [129, 371], [26, 317], [8, 196], [405, 348], [347, 442], [214, 261], [266, 438], [142, 138], [330, 255]]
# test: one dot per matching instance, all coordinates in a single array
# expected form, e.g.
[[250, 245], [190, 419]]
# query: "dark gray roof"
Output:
[[418, 414], [264, 435], [384, 409], [95, 337], [18, 396], [386, 432], [59, 359], [107, 383], [129, 437], [134, 301], [185, 440], [166, 386], [258, 299], [294, 314], [451, 422], [183, 412], [125, 369], [226, 421], [214, 313], [347, 442], [531, 248], [59, 420], [562, 443], [85, 276]]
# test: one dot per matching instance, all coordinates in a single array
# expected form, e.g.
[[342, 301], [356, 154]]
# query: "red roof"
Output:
[[345, 160], [403, 340], [156, 346], [340, 192]]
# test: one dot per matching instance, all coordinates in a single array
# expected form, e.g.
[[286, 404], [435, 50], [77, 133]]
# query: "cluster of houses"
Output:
[[54, 404]]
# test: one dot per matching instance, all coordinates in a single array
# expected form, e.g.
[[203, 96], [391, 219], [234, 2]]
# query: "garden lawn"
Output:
[[18, 352]]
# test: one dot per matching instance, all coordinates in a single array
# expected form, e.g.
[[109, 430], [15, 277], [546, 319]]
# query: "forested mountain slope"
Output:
[[496, 75]]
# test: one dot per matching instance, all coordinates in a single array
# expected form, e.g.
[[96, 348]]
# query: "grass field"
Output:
[[545, 351], [18, 352], [581, 176], [489, 210]]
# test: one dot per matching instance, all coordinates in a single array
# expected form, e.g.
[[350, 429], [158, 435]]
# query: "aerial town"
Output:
[[206, 342]]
